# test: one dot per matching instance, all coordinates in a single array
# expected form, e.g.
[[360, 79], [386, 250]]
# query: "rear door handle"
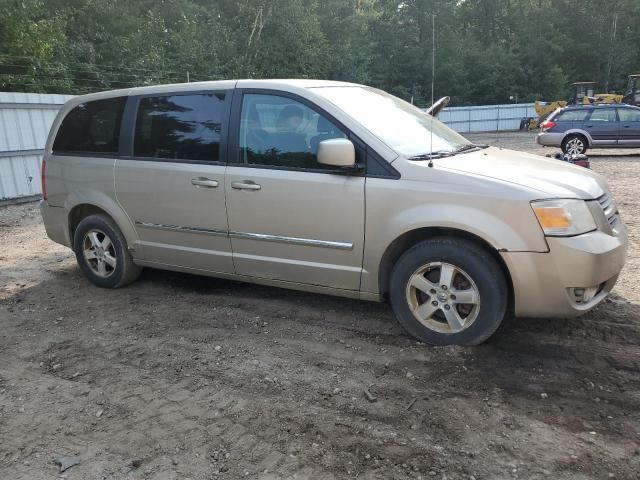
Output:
[[245, 185], [204, 182]]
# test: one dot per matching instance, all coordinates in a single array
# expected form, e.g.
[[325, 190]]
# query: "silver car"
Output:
[[332, 188]]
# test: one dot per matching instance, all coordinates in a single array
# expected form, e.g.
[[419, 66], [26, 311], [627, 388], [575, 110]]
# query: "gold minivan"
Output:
[[327, 187]]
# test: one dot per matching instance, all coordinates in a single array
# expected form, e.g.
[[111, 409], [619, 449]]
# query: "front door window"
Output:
[[282, 132]]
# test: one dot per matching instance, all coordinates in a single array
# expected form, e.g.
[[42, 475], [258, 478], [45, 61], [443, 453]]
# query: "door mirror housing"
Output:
[[337, 152]]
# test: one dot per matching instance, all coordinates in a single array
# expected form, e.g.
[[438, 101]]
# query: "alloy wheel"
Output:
[[575, 146], [99, 253], [443, 297]]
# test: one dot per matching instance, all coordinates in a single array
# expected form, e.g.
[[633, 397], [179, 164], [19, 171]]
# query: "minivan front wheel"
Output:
[[574, 145], [448, 291], [101, 253]]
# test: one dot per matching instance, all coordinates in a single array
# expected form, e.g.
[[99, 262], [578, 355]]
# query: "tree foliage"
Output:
[[486, 50]]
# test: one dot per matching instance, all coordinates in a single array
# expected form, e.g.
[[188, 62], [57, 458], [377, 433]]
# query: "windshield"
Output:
[[399, 124]]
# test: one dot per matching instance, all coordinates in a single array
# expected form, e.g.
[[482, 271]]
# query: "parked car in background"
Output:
[[578, 128], [327, 187]]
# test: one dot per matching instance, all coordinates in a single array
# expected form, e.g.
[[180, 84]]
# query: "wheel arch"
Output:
[[582, 133], [79, 208], [410, 238], [79, 213]]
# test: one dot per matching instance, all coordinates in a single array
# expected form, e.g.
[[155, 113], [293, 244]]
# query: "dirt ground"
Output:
[[186, 377]]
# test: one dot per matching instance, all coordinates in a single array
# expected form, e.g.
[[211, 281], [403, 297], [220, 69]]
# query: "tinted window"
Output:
[[603, 115], [180, 127], [629, 115], [282, 132], [573, 115], [91, 127]]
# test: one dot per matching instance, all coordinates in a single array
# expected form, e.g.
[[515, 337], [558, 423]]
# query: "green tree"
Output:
[[32, 49], [486, 50]]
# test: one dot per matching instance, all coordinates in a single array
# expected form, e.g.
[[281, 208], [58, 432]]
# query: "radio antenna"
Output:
[[433, 56], [433, 74]]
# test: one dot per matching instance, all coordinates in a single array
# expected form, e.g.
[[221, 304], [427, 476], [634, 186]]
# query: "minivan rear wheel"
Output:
[[101, 253], [574, 145], [448, 291]]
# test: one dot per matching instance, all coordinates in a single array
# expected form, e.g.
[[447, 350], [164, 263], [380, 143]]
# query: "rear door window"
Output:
[[91, 127], [603, 115], [180, 127], [572, 116], [629, 115]]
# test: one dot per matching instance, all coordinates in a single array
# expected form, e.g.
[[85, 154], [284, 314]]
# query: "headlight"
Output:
[[563, 217]]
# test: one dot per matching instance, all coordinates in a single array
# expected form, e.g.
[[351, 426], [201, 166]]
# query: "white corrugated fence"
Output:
[[487, 118], [25, 119]]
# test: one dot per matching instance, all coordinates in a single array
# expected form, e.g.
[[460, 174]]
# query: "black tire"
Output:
[[472, 262], [574, 144], [124, 271]]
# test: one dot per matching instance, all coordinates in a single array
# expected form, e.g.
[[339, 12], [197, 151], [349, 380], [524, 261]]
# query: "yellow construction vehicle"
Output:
[[543, 110], [582, 93], [585, 93]]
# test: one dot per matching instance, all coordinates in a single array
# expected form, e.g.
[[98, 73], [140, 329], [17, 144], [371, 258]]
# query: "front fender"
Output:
[[506, 228], [515, 234]]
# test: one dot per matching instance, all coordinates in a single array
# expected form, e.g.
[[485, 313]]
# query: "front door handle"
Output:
[[245, 185], [204, 182]]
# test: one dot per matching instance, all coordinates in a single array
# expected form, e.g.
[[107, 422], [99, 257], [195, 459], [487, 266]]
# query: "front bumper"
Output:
[[549, 139], [549, 284], [55, 223]]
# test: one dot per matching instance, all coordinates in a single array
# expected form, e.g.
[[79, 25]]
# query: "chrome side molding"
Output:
[[179, 228], [311, 242], [293, 240]]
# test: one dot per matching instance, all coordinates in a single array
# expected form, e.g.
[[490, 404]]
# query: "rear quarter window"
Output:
[[91, 127], [572, 116]]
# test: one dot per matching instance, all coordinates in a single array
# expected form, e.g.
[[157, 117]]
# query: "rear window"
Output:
[[91, 127], [180, 127], [572, 116]]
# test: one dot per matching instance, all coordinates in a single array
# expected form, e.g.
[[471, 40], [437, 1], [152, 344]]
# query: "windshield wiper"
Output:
[[469, 147], [432, 155], [448, 153]]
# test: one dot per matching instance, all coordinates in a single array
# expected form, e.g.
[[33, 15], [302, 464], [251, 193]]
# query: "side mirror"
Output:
[[337, 152]]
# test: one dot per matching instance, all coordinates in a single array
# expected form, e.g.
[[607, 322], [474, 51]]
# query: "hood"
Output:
[[554, 178]]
